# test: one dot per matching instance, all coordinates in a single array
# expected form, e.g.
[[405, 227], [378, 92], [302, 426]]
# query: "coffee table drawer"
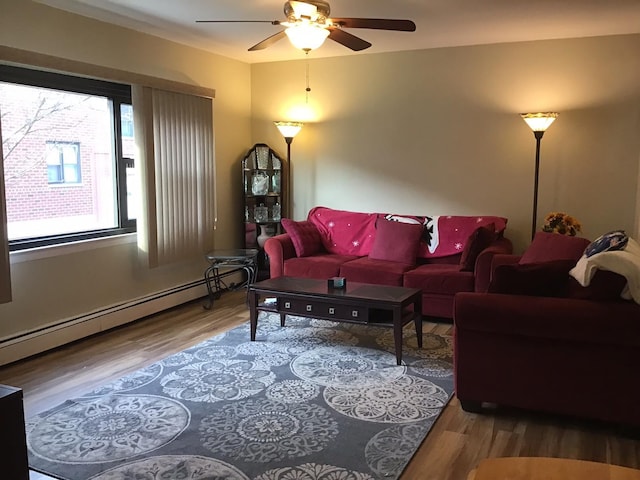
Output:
[[321, 309]]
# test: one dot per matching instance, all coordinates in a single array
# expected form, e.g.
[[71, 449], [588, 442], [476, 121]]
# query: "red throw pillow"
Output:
[[396, 242], [546, 247], [480, 239], [304, 235], [548, 279]]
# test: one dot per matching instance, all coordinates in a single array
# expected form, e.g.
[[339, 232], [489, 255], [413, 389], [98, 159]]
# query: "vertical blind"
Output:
[[5, 272], [174, 135]]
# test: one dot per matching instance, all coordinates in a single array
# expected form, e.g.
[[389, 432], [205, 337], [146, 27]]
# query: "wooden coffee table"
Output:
[[543, 468], [362, 303]]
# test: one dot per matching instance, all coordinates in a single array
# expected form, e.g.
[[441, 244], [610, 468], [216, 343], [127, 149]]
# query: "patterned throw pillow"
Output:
[[614, 240], [304, 235]]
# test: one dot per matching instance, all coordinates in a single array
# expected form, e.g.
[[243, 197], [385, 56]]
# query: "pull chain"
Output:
[[308, 89]]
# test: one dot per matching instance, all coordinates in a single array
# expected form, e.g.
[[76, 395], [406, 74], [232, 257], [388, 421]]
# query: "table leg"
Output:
[[417, 318], [397, 333], [209, 274], [247, 270], [253, 313]]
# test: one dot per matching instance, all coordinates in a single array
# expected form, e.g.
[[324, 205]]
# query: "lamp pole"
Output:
[[534, 217], [288, 130], [539, 122]]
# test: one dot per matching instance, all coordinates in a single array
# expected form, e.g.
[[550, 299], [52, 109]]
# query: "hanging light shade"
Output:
[[289, 129], [539, 122], [306, 36]]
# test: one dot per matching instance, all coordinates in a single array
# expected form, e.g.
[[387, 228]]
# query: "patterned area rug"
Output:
[[314, 400]]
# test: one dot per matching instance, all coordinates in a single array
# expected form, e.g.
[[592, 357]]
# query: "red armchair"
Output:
[[576, 353]]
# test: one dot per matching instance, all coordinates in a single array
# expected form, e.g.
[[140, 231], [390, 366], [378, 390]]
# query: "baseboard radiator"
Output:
[[31, 343]]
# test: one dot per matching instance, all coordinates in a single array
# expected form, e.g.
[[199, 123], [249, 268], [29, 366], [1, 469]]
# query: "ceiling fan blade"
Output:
[[272, 22], [376, 23], [350, 41], [267, 42]]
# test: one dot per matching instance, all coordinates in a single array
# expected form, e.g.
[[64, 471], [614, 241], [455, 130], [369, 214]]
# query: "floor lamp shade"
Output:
[[288, 130], [539, 122]]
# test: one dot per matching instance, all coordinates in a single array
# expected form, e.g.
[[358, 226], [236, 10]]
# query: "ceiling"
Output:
[[440, 23]]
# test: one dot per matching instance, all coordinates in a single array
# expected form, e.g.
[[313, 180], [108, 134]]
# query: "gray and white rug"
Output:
[[314, 400]]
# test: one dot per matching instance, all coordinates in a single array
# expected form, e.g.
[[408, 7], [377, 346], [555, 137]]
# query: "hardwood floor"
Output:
[[455, 445]]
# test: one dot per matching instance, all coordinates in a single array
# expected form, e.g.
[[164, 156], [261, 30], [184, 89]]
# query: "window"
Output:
[[127, 121], [63, 162], [68, 157]]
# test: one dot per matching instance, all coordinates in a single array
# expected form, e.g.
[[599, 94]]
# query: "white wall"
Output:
[[439, 132], [48, 289]]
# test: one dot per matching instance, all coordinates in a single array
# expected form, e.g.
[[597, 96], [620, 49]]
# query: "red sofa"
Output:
[[540, 341], [439, 255]]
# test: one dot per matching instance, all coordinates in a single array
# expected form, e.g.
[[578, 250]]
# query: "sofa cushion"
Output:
[[304, 235], [369, 270], [480, 239], [439, 278], [319, 266], [610, 241], [547, 247], [396, 242], [547, 279]]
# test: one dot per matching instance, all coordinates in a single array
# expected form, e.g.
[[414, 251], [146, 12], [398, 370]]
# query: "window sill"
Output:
[[70, 248]]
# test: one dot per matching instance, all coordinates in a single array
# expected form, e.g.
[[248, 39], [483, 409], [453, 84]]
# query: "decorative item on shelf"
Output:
[[247, 213], [260, 183], [252, 160], [275, 161], [275, 182], [261, 213], [539, 122], [262, 152], [275, 212], [264, 235], [559, 222]]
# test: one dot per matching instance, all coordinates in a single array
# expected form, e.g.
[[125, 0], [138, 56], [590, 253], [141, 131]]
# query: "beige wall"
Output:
[[438, 131], [424, 132], [47, 290]]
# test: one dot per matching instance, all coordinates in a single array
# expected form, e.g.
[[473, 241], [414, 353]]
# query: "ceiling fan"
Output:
[[308, 25]]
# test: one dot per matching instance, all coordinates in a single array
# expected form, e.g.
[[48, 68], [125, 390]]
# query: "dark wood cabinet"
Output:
[[265, 193], [12, 434]]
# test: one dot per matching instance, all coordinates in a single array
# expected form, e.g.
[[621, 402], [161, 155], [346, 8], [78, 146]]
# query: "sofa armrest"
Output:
[[504, 259], [483, 267], [279, 249]]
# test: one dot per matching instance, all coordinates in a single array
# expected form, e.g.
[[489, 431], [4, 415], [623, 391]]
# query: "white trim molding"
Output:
[[72, 329]]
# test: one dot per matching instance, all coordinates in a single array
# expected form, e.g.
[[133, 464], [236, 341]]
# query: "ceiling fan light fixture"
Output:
[[306, 36]]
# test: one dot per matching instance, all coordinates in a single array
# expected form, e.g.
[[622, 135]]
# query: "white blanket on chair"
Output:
[[623, 262]]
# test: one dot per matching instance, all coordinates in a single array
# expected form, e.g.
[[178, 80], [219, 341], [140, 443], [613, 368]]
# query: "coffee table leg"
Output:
[[397, 333], [417, 319], [253, 312]]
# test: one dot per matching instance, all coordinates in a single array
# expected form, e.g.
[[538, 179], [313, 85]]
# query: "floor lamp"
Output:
[[288, 130], [539, 122]]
